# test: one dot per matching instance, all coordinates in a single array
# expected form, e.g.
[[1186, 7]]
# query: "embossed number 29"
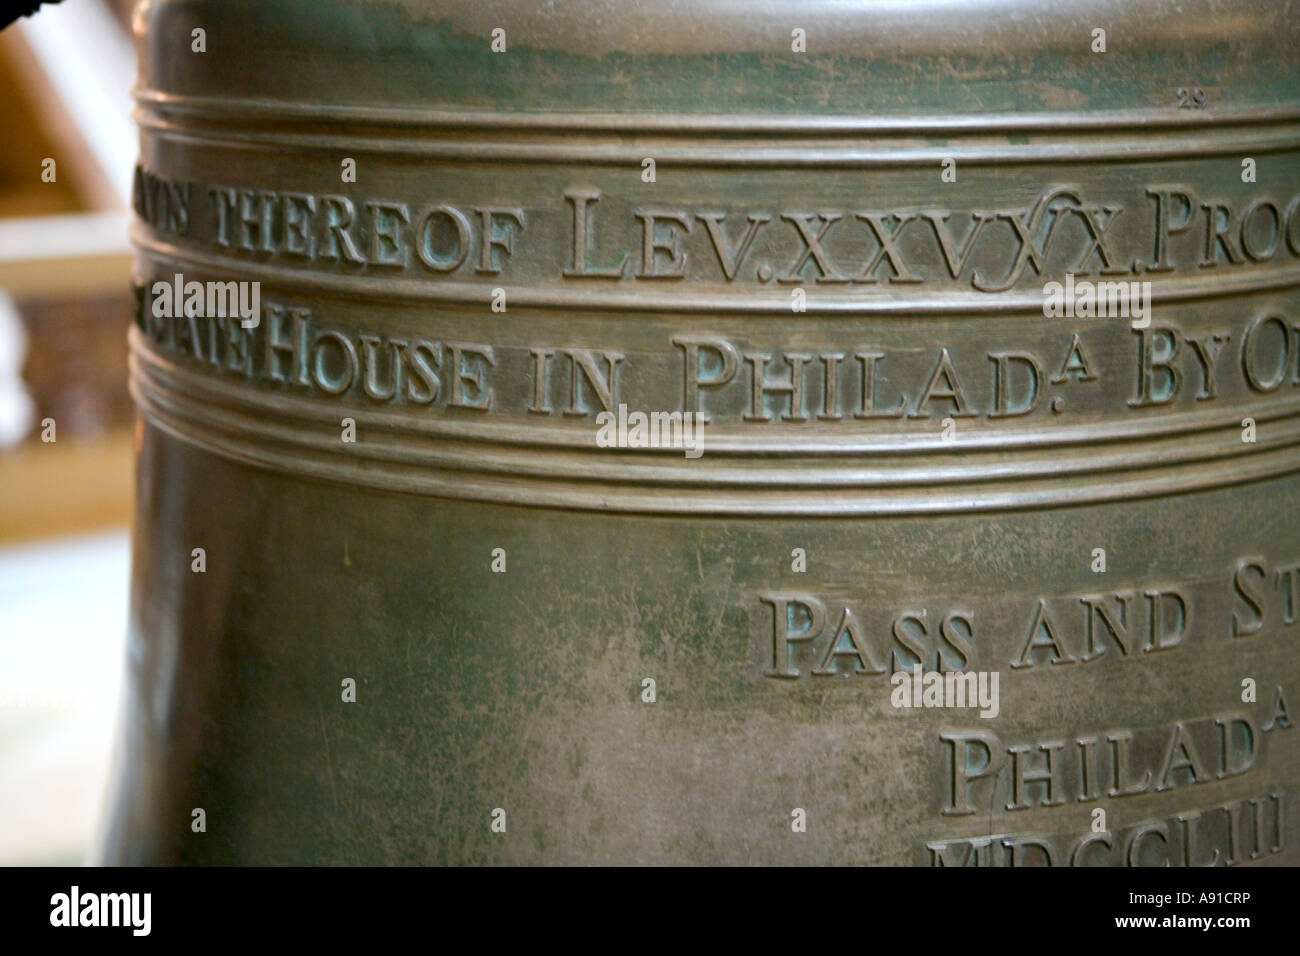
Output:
[[1191, 99]]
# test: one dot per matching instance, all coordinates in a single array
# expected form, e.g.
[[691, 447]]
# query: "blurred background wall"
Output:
[[66, 425]]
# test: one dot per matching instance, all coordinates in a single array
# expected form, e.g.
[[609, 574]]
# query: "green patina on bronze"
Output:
[[522, 690]]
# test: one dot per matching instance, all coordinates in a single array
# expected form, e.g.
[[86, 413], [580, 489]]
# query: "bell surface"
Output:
[[715, 433]]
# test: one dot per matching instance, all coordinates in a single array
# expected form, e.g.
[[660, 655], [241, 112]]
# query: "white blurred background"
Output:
[[65, 80]]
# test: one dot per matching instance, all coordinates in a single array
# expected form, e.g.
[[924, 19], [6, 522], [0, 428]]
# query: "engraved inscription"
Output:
[[1226, 834], [807, 636], [858, 386], [582, 236], [981, 769]]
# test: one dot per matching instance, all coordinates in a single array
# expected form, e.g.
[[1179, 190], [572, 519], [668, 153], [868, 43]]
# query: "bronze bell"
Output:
[[693, 434]]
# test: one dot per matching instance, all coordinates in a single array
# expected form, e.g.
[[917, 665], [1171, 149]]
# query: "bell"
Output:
[[811, 434]]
